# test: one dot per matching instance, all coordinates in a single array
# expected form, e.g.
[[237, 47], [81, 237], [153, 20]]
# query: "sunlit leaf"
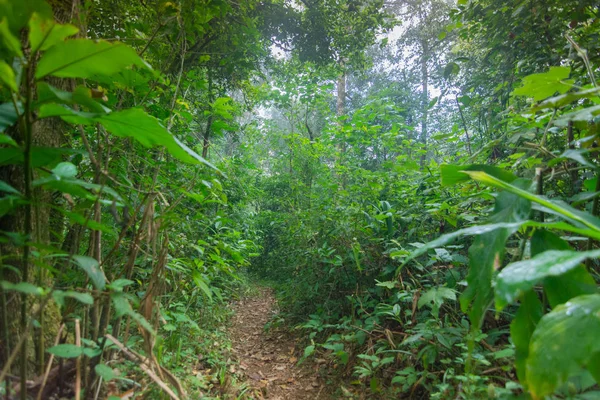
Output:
[[546, 84], [149, 132], [453, 174], [45, 33], [84, 58]]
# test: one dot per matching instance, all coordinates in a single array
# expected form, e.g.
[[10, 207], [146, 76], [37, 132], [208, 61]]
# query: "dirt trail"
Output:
[[268, 359]]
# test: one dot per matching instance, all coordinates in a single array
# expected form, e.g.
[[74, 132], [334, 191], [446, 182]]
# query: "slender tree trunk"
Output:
[[424, 98], [45, 225], [341, 94], [206, 141]]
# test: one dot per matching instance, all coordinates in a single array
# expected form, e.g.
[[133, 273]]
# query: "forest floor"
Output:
[[268, 359]]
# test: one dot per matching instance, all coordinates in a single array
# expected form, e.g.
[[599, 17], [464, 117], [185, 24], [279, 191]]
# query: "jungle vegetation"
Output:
[[417, 179]]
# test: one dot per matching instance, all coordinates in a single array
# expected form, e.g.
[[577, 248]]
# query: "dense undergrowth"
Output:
[[418, 179]]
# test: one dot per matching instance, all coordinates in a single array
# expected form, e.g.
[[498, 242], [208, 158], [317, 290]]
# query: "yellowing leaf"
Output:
[[45, 33]]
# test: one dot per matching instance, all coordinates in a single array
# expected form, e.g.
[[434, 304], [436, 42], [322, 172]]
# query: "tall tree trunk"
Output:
[[341, 94], [206, 138], [424, 98], [46, 225]]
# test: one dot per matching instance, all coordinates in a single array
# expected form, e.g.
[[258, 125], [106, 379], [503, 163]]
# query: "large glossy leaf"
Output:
[[149, 132], [544, 85], [487, 253], [559, 289], [453, 174], [521, 276], [561, 209], [84, 58], [564, 341], [133, 123]]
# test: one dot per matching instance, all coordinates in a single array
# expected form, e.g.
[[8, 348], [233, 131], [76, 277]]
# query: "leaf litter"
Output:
[[268, 359]]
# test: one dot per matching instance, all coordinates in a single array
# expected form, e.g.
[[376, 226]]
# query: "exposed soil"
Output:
[[268, 359]]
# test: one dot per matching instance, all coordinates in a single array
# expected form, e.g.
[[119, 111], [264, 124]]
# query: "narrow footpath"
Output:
[[268, 359]]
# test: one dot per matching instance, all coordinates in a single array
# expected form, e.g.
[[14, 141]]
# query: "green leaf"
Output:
[[81, 95], [8, 116], [521, 329], [122, 307], [5, 139], [22, 287], [119, 284], [560, 289], [6, 188], [105, 372], [59, 297], [19, 12], [199, 280], [7, 75], [471, 231], [8, 203], [564, 341], [45, 33], [66, 350], [8, 40], [451, 68], [65, 170], [579, 156], [560, 208], [565, 99], [453, 174], [521, 276], [149, 132], [544, 85], [434, 298], [92, 269], [85, 58], [487, 253], [386, 284], [309, 350]]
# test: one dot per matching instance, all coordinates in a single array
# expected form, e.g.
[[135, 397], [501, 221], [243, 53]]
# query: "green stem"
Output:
[[28, 221], [5, 333]]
